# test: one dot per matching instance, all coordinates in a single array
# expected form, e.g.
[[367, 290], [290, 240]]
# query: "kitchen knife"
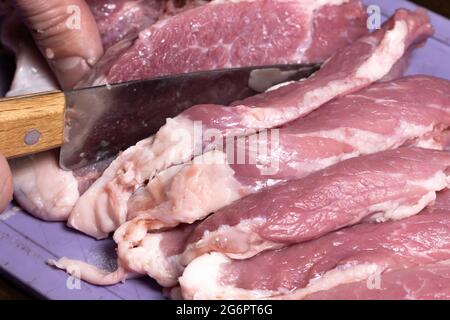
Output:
[[95, 123]]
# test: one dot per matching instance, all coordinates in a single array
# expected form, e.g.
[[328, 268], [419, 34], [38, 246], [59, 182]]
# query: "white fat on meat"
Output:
[[390, 50], [195, 190], [392, 210], [42, 188], [235, 239], [149, 259], [425, 282], [153, 254], [90, 273], [428, 143], [206, 285], [154, 193], [367, 142]]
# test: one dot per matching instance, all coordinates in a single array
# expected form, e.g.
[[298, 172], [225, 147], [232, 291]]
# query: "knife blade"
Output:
[[95, 123]]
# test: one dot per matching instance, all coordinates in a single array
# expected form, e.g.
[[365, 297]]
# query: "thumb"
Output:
[[6, 186], [66, 33]]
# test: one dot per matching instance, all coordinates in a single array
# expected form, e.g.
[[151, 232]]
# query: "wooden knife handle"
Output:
[[31, 123]]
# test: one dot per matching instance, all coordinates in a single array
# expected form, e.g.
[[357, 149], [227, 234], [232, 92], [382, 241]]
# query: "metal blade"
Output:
[[103, 120]]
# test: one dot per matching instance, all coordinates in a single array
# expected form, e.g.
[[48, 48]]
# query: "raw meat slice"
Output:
[[119, 19], [359, 253], [427, 282], [225, 33], [339, 130], [357, 66], [388, 185]]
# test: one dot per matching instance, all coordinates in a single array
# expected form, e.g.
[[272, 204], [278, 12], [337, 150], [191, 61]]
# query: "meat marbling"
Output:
[[365, 61], [245, 33], [124, 19]]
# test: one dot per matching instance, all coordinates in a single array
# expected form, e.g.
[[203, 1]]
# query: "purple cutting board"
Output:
[[26, 243]]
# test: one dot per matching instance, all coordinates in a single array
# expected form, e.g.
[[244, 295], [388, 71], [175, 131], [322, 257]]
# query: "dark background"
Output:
[[440, 6], [9, 291]]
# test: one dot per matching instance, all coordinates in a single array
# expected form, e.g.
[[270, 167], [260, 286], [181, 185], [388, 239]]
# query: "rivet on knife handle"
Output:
[[31, 123]]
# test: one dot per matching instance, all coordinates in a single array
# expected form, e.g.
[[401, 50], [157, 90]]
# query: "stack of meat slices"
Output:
[[345, 197]]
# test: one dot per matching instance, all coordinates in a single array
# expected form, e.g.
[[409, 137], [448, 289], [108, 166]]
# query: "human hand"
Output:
[[66, 33]]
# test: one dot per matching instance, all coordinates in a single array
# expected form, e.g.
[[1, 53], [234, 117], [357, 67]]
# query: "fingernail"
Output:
[[69, 71], [67, 64]]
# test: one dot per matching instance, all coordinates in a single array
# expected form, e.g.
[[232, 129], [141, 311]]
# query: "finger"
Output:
[[67, 35], [6, 186]]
